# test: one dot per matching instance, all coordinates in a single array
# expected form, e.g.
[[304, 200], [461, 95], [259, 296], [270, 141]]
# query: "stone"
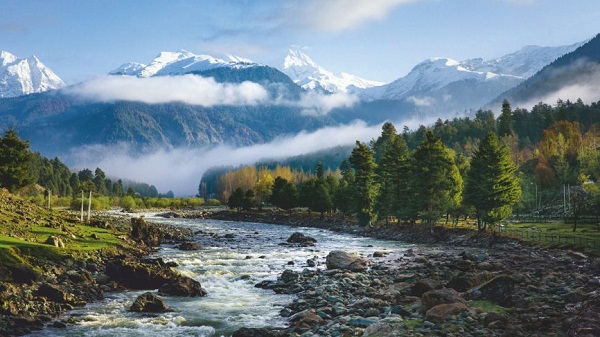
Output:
[[182, 286], [424, 285], [379, 254], [256, 332], [289, 276], [55, 294], [441, 296], [441, 312], [144, 233], [141, 274], [189, 245], [301, 239], [311, 263], [499, 290], [306, 319], [55, 241], [587, 323], [148, 302], [338, 259]]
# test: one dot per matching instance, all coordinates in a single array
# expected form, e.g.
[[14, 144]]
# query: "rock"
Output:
[[379, 254], [23, 273], [55, 241], [311, 263], [145, 233], [143, 274], [301, 239], [362, 322], [189, 245], [587, 323], [441, 296], [424, 285], [306, 319], [148, 302], [289, 276], [492, 318], [338, 259], [182, 286], [441, 312], [55, 294], [499, 290], [256, 332]]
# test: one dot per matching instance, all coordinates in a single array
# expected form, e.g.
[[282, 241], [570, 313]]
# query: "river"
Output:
[[234, 257]]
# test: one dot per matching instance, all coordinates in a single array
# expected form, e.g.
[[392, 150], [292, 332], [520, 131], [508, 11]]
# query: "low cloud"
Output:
[[421, 101], [180, 169], [581, 80], [189, 89], [317, 104]]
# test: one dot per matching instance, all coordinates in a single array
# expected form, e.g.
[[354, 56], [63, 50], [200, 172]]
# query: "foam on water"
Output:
[[228, 268]]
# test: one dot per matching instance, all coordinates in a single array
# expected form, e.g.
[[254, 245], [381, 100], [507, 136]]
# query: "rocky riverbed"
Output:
[[480, 285]]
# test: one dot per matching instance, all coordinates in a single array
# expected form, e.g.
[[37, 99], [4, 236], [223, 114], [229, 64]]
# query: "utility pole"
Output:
[[49, 197], [82, 206], [90, 207]]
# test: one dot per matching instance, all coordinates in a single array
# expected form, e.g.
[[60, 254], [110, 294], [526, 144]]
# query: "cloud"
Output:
[[421, 101], [180, 170], [337, 15], [189, 89], [318, 104]]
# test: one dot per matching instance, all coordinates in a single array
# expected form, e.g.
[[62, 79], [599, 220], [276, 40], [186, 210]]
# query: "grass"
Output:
[[487, 306]]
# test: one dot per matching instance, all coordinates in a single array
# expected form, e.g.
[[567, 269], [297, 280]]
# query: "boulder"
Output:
[[424, 285], [289, 276], [182, 286], [301, 239], [145, 233], [257, 332], [148, 302], [141, 274], [189, 245], [55, 241], [441, 312], [55, 294], [441, 296], [338, 259], [306, 319], [499, 289]]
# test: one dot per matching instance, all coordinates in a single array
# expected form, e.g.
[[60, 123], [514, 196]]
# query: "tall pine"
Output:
[[491, 184], [15, 162], [364, 186]]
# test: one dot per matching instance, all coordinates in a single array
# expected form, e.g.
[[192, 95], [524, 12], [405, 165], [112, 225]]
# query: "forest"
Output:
[[543, 162]]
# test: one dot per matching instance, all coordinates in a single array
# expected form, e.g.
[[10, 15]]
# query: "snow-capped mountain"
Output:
[[178, 63], [25, 76], [309, 75], [523, 63], [444, 85]]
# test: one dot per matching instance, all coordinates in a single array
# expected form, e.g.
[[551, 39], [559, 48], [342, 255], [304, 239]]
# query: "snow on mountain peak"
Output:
[[178, 63], [25, 76], [309, 75]]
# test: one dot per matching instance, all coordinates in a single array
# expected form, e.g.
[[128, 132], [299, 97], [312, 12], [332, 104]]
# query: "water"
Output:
[[228, 268]]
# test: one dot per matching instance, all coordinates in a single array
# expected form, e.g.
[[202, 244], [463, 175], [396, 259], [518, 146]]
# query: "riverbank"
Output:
[[479, 285], [50, 263]]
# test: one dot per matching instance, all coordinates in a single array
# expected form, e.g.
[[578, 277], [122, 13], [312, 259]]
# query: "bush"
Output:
[[213, 202]]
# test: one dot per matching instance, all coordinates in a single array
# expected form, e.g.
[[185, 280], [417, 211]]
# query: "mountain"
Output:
[[179, 63], [25, 76], [309, 75], [574, 75], [441, 86]]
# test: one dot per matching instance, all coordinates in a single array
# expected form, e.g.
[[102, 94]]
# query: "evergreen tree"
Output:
[[249, 200], [343, 196], [284, 194], [491, 184], [364, 187], [236, 200], [380, 146], [505, 120], [393, 177], [15, 162], [436, 184]]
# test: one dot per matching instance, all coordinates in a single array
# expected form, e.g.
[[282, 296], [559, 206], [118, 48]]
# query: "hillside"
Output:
[[572, 76]]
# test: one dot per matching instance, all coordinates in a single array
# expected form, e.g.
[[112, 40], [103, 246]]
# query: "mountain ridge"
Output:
[[23, 76]]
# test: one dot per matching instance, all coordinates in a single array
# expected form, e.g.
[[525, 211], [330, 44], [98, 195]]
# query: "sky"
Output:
[[375, 39]]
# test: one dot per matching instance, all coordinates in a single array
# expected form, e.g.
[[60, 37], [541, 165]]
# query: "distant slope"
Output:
[[572, 76]]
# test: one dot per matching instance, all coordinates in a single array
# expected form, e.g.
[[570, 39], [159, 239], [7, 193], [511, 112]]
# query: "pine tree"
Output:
[[436, 184], [284, 194], [393, 177], [491, 184], [364, 187], [505, 120], [15, 162]]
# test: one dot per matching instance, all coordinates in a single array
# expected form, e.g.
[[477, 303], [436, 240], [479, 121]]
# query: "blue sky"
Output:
[[375, 39]]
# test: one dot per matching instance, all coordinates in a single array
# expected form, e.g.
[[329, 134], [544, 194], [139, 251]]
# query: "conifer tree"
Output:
[[15, 162], [491, 184], [393, 177], [505, 120], [364, 187], [436, 184]]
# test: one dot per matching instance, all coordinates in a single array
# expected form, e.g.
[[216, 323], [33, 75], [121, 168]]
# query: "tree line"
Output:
[[485, 167]]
